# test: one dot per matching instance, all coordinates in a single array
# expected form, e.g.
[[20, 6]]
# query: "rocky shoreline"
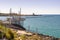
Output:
[[22, 34]]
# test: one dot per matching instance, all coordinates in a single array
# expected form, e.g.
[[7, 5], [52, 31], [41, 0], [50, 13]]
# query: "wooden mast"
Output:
[[20, 12], [20, 16], [10, 15], [10, 11]]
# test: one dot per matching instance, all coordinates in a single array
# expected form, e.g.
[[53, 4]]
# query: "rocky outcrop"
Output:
[[15, 26], [19, 26]]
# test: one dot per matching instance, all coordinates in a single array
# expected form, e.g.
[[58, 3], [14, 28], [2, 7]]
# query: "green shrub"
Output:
[[7, 32], [1, 34], [11, 34], [23, 37]]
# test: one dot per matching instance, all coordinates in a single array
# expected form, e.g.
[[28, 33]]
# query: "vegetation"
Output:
[[6, 33], [9, 34]]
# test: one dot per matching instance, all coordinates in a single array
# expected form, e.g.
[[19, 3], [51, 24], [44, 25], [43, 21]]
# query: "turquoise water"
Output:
[[46, 24]]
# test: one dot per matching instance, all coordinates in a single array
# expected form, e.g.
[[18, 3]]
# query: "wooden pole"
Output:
[[10, 15], [29, 28], [10, 11], [20, 16], [20, 12]]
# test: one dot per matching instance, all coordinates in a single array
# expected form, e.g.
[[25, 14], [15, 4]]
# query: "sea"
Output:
[[43, 24]]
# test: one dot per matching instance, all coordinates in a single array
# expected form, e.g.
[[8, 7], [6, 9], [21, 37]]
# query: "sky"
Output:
[[31, 6]]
